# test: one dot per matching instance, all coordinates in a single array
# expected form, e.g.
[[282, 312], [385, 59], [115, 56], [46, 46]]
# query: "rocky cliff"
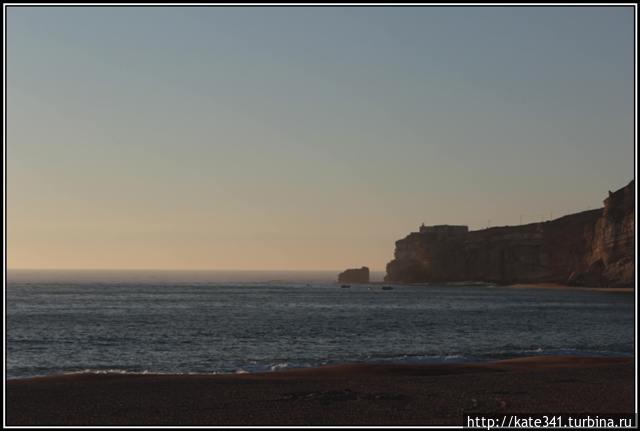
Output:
[[592, 248]]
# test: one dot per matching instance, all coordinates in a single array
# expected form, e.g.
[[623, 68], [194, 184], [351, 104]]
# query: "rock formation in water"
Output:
[[354, 275], [590, 248]]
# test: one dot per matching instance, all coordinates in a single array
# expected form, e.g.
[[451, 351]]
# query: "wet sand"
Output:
[[354, 394]]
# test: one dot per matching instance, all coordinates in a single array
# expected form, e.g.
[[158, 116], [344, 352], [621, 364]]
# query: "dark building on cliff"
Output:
[[593, 248]]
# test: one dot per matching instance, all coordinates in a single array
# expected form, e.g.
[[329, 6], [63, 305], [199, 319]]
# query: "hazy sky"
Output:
[[303, 138]]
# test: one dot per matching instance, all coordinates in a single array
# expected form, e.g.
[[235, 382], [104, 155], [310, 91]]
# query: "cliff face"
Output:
[[593, 248], [611, 258]]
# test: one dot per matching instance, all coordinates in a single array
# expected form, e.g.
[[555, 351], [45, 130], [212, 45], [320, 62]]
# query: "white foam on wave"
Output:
[[280, 366], [131, 372], [452, 357]]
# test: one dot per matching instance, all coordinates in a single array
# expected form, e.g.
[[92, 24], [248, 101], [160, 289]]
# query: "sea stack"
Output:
[[354, 275]]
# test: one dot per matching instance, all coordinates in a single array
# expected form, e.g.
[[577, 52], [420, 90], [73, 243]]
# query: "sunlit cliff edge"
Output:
[[589, 248]]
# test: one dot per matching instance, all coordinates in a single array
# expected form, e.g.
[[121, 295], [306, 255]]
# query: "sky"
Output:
[[303, 138]]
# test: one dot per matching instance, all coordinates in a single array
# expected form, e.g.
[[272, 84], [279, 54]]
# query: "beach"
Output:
[[350, 394]]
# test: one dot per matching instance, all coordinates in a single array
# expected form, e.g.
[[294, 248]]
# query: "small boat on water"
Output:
[[387, 288], [345, 286]]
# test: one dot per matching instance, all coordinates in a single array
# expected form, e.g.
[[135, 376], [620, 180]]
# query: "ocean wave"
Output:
[[488, 356]]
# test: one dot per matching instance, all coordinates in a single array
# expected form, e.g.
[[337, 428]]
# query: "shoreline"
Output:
[[568, 287], [356, 394], [558, 286], [547, 359]]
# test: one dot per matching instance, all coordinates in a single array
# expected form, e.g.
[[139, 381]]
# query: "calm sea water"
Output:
[[212, 322]]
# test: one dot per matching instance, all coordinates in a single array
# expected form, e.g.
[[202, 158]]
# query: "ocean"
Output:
[[236, 322]]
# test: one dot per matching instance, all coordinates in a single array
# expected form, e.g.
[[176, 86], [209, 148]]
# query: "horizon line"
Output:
[[182, 269]]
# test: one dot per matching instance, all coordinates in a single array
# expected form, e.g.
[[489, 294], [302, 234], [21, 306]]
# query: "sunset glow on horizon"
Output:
[[303, 138]]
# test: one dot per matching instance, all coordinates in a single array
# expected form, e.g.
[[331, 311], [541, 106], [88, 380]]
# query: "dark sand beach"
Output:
[[354, 394]]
